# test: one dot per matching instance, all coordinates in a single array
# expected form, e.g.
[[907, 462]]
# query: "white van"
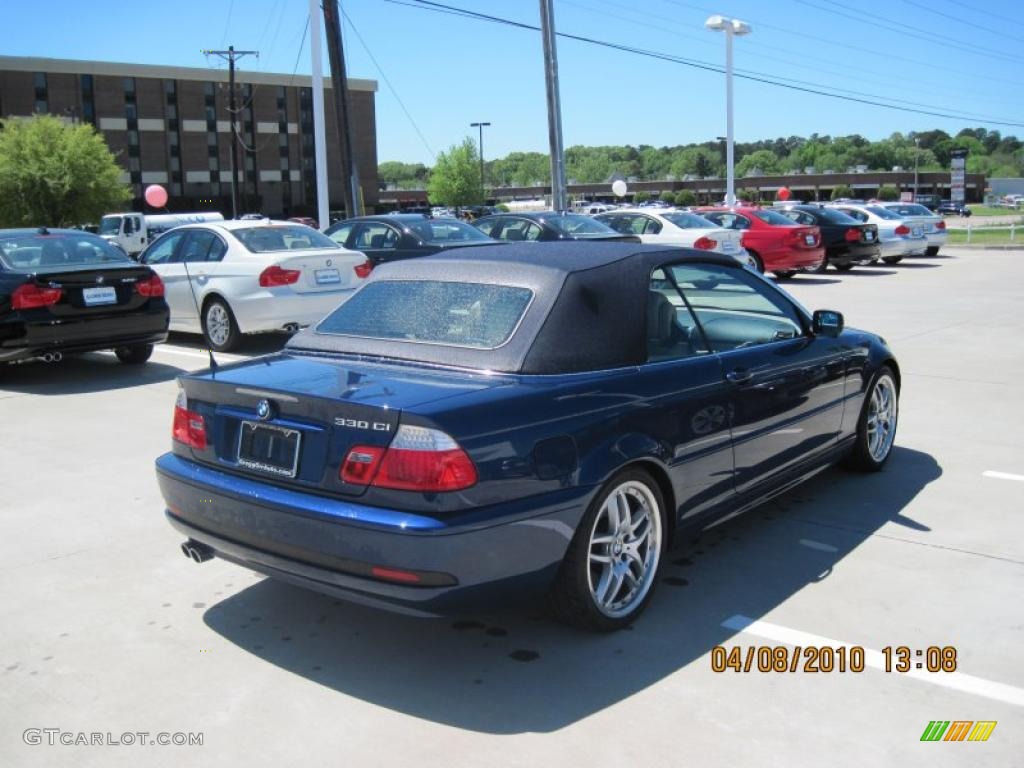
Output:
[[134, 231]]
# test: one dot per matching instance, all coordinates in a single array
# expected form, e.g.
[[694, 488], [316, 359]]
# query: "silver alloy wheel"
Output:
[[218, 324], [882, 412], [625, 546]]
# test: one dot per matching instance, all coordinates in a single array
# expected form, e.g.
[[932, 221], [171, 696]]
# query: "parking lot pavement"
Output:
[[105, 627]]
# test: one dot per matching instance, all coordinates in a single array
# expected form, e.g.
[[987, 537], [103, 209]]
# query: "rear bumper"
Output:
[[853, 253], [903, 246], [23, 340], [330, 545], [937, 238], [793, 258], [271, 309]]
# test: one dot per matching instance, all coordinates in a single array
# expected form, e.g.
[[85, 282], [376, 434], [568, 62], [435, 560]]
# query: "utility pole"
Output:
[[917, 156], [480, 147], [547, 32], [342, 108], [231, 56], [323, 216]]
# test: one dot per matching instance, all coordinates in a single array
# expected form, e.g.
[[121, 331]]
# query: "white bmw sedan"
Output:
[[673, 227], [898, 236], [227, 278]]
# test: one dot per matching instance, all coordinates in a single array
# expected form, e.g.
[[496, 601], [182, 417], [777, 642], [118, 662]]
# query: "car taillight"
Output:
[[151, 288], [31, 296], [940, 225], [418, 459], [705, 244], [902, 229], [363, 270], [275, 275], [853, 235], [189, 426]]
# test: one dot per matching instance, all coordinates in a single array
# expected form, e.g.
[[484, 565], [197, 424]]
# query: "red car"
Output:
[[774, 242]]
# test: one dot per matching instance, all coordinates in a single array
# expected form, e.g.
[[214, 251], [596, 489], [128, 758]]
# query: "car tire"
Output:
[[784, 274], [758, 261], [932, 250], [134, 355], [219, 327], [592, 589], [845, 267], [892, 259], [876, 427], [821, 268]]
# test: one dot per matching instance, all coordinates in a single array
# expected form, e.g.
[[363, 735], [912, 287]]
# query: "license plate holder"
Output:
[[327, 276], [809, 239], [100, 295], [268, 448]]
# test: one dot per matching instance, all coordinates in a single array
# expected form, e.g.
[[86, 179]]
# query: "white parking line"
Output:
[[1003, 476], [818, 546], [193, 353], [957, 681]]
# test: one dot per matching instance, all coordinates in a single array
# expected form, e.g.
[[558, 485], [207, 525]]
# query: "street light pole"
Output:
[[559, 200], [917, 157], [731, 27], [480, 147]]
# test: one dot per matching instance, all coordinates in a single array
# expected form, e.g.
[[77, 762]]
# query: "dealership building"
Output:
[[170, 126]]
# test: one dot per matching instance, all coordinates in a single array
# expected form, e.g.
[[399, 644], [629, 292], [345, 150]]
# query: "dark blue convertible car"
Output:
[[481, 425]]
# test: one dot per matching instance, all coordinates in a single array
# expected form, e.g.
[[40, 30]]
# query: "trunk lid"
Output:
[[323, 270], [292, 419], [93, 289]]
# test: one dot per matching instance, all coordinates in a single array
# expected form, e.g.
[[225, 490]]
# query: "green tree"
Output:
[[763, 161], [888, 192], [841, 190], [747, 195], [685, 197], [53, 174], [455, 179], [403, 175]]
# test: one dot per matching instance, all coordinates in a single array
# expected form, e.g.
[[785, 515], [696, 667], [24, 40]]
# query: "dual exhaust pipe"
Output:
[[196, 551], [52, 357]]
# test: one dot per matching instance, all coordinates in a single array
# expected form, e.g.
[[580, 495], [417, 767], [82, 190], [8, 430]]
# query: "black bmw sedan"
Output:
[[403, 236], [64, 290], [545, 226], [847, 242]]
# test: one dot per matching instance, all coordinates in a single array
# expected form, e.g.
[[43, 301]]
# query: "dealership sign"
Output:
[[958, 163]]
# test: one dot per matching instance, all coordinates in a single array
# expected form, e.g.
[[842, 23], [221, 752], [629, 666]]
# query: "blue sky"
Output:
[[449, 71]]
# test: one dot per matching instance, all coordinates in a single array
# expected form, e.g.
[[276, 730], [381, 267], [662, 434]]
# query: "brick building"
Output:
[[169, 126]]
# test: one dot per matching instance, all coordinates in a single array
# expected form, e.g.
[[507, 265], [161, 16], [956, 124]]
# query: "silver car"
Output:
[[934, 226], [898, 236]]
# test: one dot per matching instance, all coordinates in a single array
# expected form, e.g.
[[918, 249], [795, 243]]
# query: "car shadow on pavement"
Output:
[[514, 672], [808, 280], [870, 272], [914, 265], [79, 374]]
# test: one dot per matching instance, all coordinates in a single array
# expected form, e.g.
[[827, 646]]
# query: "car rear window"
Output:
[[773, 217], [265, 239], [883, 213], [836, 217], [910, 209], [36, 251], [574, 224], [685, 220], [476, 315], [441, 231]]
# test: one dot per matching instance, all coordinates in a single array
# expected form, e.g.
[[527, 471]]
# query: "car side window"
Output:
[[163, 250], [375, 236], [618, 223], [199, 246], [800, 217], [341, 234], [485, 226], [672, 331], [853, 212], [735, 308], [520, 229]]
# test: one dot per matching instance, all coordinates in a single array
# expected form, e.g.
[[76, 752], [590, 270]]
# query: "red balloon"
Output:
[[156, 196], [783, 193]]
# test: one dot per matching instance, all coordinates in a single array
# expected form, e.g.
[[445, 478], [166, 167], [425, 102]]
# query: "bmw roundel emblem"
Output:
[[328, 262], [265, 410]]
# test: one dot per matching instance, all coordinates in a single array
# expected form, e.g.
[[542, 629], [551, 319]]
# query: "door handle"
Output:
[[739, 376]]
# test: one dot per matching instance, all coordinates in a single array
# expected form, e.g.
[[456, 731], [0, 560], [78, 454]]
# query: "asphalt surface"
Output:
[[106, 628]]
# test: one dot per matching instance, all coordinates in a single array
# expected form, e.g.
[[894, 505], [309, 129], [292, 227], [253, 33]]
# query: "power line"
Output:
[[384, 77], [958, 4], [227, 24], [752, 43], [888, 54], [928, 37], [961, 20], [693, 63]]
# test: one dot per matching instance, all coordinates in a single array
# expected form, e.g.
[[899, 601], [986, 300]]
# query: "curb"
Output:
[[972, 247]]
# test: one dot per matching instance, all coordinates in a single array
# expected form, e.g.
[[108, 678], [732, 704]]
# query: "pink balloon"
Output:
[[156, 196], [783, 193]]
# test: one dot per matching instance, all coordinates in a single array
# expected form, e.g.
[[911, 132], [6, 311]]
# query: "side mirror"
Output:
[[827, 322]]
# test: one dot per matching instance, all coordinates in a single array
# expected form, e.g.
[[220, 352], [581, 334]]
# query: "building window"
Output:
[[171, 89], [129, 87], [172, 111], [209, 89], [42, 98], [175, 160], [133, 138]]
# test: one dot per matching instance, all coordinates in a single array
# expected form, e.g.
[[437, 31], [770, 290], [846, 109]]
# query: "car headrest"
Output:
[[660, 316]]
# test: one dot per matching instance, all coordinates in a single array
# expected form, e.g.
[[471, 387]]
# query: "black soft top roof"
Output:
[[588, 312]]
